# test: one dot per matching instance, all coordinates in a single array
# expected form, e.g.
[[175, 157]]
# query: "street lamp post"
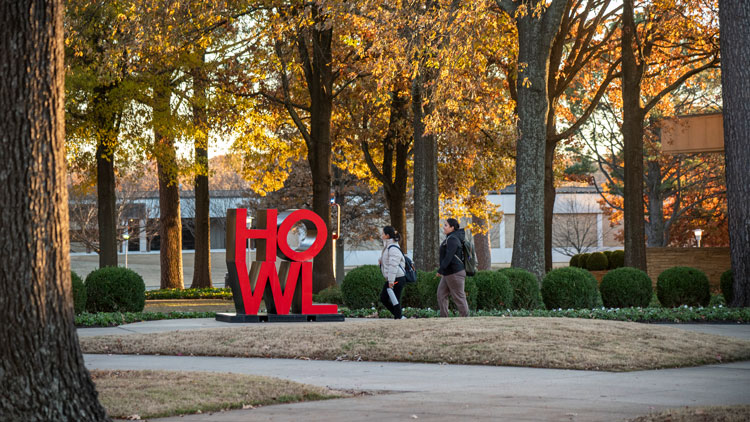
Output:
[[126, 236], [698, 234]]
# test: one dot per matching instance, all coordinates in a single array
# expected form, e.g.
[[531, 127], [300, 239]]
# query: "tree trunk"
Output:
[[656, 228], [549, 199], [170, 225], [535, 35], [632, 133], [202, 263], [426, 195], [106, 194], [320, 86], [482, 245], [43, 373], [734, 18]]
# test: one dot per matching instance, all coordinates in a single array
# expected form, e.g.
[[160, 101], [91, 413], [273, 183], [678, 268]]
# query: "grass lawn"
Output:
[[700, 414], [533, 342], [152, 394]]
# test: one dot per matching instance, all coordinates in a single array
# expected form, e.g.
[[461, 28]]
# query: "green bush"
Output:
[[566, 288], [597, 261], [727, 284], [79, 293], [608, 254], [625, 287], [410, 296], [428, 283], [617, 259], [682, 286], [582, 260], [115, 289], [361, 287], [574, 260], [717, 300], [203, 293], [526, 294], [330, 294], [493, 290]]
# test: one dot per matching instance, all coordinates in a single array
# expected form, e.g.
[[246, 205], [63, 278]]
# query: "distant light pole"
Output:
[[698, 234], [126, 236]]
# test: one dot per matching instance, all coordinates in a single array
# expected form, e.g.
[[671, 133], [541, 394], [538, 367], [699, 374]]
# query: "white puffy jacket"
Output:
[[391, 261]]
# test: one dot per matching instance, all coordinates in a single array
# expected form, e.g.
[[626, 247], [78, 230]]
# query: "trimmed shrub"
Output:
[[608, 254], [727, 284], [683, 286], [617, 259], [410, 296], [582, 260], [597, 261], [573, 288], [625, 287], [361, 287], [115, 289], [79, 293], [574, 260], [493, 290], [717, 300], [428, 283], [330, 294], [526, 294]]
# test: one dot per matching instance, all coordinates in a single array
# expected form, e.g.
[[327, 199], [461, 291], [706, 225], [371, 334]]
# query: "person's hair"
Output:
[[453, 223], [392, 233]]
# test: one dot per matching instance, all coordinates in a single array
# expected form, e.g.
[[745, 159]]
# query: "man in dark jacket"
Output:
[[452, 272]]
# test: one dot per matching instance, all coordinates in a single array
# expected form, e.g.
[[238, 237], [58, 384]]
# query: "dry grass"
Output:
[[151, 394], [700, 414], [189, 305], [533, 342]]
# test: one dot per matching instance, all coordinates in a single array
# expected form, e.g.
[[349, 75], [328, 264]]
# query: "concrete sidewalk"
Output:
[[411, 391]]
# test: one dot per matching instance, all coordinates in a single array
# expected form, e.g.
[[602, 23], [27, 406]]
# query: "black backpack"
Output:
[[410, 273]]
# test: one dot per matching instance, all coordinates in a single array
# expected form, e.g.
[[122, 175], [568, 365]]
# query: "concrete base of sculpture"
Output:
[[231, 317]]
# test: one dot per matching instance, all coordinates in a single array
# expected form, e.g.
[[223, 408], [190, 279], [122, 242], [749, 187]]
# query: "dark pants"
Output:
[[386, 300]]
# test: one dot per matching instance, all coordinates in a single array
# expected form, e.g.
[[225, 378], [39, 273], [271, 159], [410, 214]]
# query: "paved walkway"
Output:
[[432, 392]]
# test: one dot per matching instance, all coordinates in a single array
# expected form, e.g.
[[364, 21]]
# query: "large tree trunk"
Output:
[[43, 373], [426, 195], [734, 18], [549, 199], [202, 263], [535, 35], [106, 194], [632, 132], [482, 245], [320, 86], [170, 224]]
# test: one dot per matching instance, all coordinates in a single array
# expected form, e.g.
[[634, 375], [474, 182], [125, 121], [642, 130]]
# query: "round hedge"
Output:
[[569, 288], [526, 294], [410, 296], [597, 261], [582, 260], [79, 293], [574, 260], [625, 287], [682, 286], [330, 294], [428, 284], [608, 254], [727, 285], [617, 259], [361, 287], [493, 290], [115, 289]]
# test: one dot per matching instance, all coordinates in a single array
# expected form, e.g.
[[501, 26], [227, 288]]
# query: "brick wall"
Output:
[[712, 261]]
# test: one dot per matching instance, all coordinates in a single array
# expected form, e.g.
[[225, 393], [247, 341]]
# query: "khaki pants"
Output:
[[453, 285]]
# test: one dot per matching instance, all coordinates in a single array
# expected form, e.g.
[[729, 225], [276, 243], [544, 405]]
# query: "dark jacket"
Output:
[[451, 253]]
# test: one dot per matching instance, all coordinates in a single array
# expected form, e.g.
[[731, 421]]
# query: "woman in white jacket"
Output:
[[392, 266]]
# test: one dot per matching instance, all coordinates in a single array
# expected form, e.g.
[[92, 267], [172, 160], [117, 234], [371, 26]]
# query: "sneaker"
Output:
[[403, 317]]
